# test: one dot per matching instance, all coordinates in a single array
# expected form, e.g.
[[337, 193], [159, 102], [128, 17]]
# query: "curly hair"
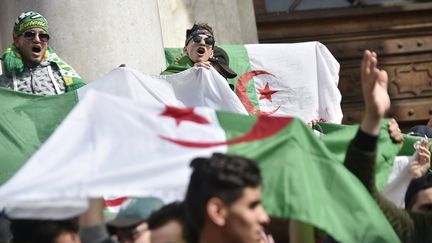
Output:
[[220, 176]]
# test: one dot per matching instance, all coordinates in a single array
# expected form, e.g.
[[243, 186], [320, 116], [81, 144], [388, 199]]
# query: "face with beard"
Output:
[[32, 45], [198, 50]]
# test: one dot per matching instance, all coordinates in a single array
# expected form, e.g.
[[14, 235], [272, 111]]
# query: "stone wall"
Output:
[[232, 20], [95, 36]]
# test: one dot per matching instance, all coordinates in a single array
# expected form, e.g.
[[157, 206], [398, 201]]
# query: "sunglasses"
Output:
[[207, 40], [30, 35]]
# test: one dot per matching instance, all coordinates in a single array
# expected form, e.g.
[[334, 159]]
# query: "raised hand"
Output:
[[374, 86], [204, 64], [394, 130], [421, 164]]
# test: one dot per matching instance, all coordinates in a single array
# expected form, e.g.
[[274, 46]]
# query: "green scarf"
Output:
[[12, 62]]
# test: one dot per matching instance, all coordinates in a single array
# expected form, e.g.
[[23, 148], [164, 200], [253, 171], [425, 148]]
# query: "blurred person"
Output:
[[128, 226], [133, 212], [418, 197], [44, 231], [168, 224], [223, 200]]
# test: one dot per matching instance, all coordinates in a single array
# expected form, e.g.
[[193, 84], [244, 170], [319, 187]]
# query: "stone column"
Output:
[[95, 36], [233, 21]]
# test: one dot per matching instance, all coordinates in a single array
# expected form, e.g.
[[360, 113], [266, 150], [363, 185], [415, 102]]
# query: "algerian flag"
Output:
[[392, 177], [298, 79], [110, 146], [26, 120]]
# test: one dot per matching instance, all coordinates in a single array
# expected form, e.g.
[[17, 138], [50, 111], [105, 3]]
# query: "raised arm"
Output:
[[361, 154]]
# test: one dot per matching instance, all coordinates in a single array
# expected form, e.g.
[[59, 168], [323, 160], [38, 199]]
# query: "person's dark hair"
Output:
[[220, 176], [47, 231], [199, 28], [415, 186], [172, 211]]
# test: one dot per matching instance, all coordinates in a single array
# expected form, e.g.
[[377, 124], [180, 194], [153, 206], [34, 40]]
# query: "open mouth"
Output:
[[36, 49], [201, 50]]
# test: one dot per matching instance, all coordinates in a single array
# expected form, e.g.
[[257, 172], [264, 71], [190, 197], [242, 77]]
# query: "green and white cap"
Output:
[[29, 20]]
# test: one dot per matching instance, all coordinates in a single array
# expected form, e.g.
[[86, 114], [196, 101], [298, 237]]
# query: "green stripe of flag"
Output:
[[337, 140], [26, 121], [303, 180]]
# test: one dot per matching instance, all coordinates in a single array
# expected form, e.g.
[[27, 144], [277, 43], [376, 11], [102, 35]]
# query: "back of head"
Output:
[[172, 211], [421, 131], [220, 176], [47, 231], [415, 186]]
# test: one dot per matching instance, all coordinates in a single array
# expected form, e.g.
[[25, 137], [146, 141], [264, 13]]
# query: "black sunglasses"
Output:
[[207, 40], [30, 35]]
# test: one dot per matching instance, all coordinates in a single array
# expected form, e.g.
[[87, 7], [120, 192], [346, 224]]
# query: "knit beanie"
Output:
[[29, 20]]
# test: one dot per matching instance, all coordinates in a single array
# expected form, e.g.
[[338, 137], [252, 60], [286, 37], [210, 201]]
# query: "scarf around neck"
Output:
[[12, 63]]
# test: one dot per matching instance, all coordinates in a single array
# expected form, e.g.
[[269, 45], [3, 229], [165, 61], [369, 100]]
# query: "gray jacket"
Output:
[[44, 79]]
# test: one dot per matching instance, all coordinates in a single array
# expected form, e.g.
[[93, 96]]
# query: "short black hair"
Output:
[[47, 231], [198, 26], [415, 186], [172, 211], [222, 176]]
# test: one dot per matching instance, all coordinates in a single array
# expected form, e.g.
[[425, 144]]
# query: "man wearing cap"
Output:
[[200, 51], [30, 65], [128, 226], [133, 212]]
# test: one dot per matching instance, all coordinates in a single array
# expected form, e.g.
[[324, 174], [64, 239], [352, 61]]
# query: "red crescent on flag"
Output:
[[241, 88], [114, 202], [265, 127]]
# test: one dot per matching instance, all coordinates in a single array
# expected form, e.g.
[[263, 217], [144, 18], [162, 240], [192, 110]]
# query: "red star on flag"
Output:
[[184, 114], [266, 93]]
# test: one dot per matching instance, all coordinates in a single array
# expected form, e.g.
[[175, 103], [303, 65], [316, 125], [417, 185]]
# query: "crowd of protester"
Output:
[[223, 198]]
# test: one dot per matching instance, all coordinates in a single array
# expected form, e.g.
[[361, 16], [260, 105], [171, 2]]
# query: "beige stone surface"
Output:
[[94, 36]]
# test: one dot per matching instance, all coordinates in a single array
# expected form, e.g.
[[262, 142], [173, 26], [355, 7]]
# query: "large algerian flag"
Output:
[[392, 177], [298, 79], [26, 120], [112, 146]]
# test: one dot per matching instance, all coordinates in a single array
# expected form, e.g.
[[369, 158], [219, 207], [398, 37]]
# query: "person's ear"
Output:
[[212, 52], [184, 50], [217, 211]]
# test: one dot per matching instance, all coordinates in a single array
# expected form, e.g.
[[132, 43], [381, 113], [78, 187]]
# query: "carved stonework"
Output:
[[413, 79], [349, 84], [401, 37]]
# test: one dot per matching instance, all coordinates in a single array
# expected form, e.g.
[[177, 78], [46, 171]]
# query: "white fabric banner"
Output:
[[193, 87], [302, 80], [114, 148]]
